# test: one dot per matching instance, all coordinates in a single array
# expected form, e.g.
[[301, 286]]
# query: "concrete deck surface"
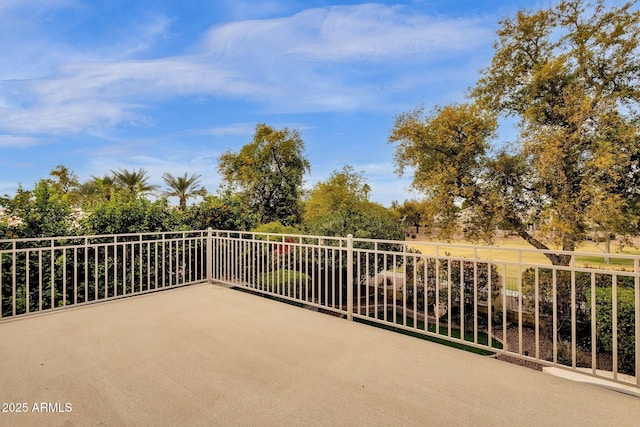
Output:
[[207, 355]]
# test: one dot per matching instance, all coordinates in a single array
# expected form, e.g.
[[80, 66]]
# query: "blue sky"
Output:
[[168, 86]]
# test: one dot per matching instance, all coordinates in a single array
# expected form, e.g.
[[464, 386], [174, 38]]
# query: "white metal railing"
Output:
[[44, 274], [498, 300]]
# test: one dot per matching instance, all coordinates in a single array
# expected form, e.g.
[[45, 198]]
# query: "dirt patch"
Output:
[[604, 361]]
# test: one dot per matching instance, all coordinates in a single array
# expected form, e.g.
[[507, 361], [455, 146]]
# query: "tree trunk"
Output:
[[555, 259], [607, 247]]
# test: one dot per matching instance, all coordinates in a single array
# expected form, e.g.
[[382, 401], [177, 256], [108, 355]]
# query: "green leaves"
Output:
[[183, 187], [447, 151], [625, 321], [223, 211], [134, 182], [269, 172], [445, 147], [340, 206], [344, 189], [42, 212], [124, 215]]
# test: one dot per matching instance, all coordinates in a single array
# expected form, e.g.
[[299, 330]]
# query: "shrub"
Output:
[[139, 215], [276, 227], [472, 272], [224, 211], [626, 325], [583, 359]]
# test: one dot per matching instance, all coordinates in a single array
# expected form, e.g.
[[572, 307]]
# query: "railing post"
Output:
[[350, 277], [636, 270], [14, 278], [209, 255]]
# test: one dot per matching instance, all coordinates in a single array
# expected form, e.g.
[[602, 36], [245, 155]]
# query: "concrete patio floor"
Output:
[[208, 355]]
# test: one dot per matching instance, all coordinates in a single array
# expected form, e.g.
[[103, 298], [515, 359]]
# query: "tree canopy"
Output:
[[223, 211], [344, 189], [570, 75], [269, 172], [40, 212], [411, 213], [340, 206]]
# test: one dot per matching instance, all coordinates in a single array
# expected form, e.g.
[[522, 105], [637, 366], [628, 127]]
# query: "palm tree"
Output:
[[106, 185], [136, 182], [96, 189], [183, 188], [89, 193]]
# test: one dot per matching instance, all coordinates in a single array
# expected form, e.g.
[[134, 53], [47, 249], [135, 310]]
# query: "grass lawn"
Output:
[[281, 281], [503, 250], [483, 338]]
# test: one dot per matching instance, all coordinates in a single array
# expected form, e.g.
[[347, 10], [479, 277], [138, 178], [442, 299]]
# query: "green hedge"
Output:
[[626, 325]]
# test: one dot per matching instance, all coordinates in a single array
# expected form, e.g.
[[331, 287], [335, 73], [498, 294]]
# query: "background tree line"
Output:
[[263, 186]]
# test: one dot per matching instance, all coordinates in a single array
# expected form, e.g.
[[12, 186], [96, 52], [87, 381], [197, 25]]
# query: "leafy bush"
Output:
[[626, 325], [42, 212], [224, 211], [474, 275], [277, 228], [137, 215], [370, 221], [563, 297], [583, 283]]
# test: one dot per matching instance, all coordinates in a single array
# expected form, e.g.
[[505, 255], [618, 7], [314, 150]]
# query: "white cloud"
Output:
[[34, 51], [144, 36], [368, 32], [18, 141], [325, 59], [28, 50], [73, 117], [331, 59]]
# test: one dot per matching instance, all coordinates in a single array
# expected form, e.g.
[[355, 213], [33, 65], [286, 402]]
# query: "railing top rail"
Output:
[[114, 237], [277, 236]]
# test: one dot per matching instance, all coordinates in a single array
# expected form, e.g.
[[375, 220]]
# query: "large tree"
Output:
[[411, 212], [269, 172], [570, 75], [339, 206], [344, 189], [64, 180]]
